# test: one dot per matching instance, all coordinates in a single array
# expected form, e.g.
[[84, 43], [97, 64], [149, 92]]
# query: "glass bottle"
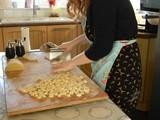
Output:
[[9, 50], [20, 51]]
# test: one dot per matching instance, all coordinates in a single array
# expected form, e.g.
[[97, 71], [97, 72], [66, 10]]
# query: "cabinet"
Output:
[[63, 33], [58, 34], [147, 51], [53, 33], [11, 33], [87, 67], [1, 41], [38, 35], [42, 34]]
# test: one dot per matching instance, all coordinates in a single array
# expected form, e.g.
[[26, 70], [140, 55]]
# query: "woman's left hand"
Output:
[[63, 66]]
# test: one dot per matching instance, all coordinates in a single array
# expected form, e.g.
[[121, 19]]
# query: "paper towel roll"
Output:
[[25, 38]]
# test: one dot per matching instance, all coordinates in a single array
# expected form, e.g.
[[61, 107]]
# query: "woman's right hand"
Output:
[[67, 46]]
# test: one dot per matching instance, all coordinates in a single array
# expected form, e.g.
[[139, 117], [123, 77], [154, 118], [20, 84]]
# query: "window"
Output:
[[18, 3], [39, 3]]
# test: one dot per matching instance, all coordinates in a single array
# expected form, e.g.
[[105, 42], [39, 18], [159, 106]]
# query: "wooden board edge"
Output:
[[49, 107]]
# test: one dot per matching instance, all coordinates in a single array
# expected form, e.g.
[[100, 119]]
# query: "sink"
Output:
[[36, 19]]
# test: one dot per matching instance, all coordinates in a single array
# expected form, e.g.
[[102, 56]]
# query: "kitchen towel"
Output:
[[25, 38]]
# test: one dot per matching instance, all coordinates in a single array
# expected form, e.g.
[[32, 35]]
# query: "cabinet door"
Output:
[[37, 35], [11, 33], [143, 47], [58, 34], [87, 67], [1, 41], [147, 52]]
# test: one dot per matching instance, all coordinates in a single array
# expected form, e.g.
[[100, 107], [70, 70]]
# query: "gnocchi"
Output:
[[61, 84]]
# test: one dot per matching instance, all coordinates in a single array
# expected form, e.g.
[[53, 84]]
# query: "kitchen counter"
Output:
[[146, 35], [11, 22], [99, 110]]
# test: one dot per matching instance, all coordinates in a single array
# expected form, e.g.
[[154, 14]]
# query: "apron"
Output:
[[102, 67]]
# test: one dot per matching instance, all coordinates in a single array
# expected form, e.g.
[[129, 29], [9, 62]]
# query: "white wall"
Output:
[[5, 4], [135, 4], [6, 12]]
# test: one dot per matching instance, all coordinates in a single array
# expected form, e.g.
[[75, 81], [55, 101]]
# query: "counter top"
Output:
[[11, 22], [146, 35], [99, 110]]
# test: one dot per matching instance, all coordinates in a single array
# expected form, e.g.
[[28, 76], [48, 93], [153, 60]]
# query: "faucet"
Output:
[[35, 8]]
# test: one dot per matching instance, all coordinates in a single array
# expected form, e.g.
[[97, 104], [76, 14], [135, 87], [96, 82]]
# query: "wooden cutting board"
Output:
[[19, 104]]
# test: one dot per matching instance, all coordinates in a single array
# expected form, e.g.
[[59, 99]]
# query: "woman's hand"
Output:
[[63, 66], [80, 59], [67, 46]]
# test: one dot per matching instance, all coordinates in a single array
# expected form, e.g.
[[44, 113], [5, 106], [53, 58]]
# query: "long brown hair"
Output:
[[77, 7]]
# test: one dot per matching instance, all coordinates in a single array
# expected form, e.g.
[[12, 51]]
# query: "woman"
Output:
[[111, 28]]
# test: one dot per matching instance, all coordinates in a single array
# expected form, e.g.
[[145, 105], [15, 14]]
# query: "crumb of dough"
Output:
[[30, 58]]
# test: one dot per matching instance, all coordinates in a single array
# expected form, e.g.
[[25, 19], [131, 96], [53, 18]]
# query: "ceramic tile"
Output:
[[8, 13], [1, 14], [18, 13], [42, 13], [28, 13]]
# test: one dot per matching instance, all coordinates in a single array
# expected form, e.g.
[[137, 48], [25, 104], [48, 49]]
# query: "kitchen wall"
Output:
[[6, 10], [20, 12], [135, 4], [5, 4]]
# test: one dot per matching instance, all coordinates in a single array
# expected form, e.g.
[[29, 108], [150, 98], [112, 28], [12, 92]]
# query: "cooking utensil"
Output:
[[56, 55], [46, 46]]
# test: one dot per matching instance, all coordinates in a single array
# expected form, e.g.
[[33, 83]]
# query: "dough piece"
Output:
[[30, 58], [47, 57], [22, 90], [14, 65]]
